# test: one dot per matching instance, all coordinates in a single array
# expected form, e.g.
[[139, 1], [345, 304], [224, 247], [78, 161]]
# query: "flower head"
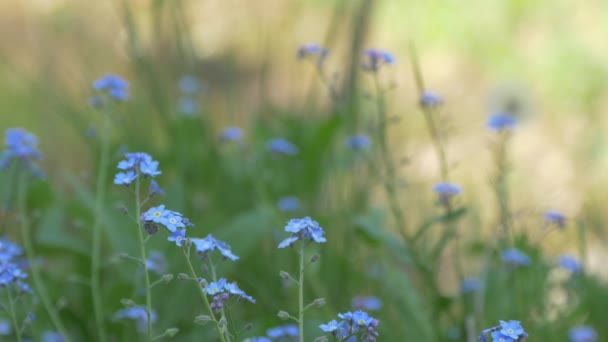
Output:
[[330, 326], [369, 303], [313, 51], [155, 189], [582, 333], [289, 203], [137, 314], [429, 99], [289, 330], [22, 146], [113, 85], [282, 146], [177, 236], [376, 58], [303, 229], [470, 285], [51, 336], [209, 244], [231, 134], [171, 220], [134, 165], [555, 217], [358, 142], [515, 257], [507, 331], [570, 263], [353, 322], [501, 122]]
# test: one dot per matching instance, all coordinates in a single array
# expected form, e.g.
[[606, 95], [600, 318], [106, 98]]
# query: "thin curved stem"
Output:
[[142, 252], [30, 254], [13, 313], [301, 294]]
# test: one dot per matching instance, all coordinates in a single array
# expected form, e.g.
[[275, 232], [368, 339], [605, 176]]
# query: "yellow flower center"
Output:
[[157, 214], [361, 321], [510, 331]]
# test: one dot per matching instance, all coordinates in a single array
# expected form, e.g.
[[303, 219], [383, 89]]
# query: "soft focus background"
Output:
[[545, 61]]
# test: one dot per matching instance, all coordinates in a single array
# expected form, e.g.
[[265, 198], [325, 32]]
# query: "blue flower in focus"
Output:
[[289, 203], [222, 291], [154, 189], [171, 220], [361, 318], [289, 330], [582, 333], [114, 86], [512, 329], [137, 314], [51, 336], [177, 236], [376, 58], [136, 164], [231, 134], [189, 84], [470, 285], [429, 99], [570, 263], [556, 218], [209, 244], [357, 142], [216, 287], [282, 146], [515, 257], [369, 303], [501, 122], [498, 337], [303, 229], [22, 146], [353, 322]]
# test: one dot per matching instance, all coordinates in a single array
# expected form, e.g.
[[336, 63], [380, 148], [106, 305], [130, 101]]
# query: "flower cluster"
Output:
[[313, 51], [510, 331], [134, 165], [112, 85], [303, 229], [570, 263], [357, 142], [514, 258], [446, 191], [22, 146], [358, 322], [209, 244], [582, 333], [12, 269], [282, 146], [429, 99], [376, 58], [222, 291], [501, 122], [284, 331], [138, 314], [231, 134], [556, 218], [172, 220]]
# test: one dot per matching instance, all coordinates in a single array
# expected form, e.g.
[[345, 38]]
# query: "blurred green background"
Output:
[[548, 58]]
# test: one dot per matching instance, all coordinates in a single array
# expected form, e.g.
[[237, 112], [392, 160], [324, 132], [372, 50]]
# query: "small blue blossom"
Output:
[[303, 229], [582, 333], [501, 122], [216, 287], [171, 220], [511, 329], [113, 85], [446, 192], [555, 217], [5, 327], [289, 330], [177, 236], [470, 285], [138, 314], [376, 58], [515, 257], [507, 331], [136, 164], [330, 327], [369, 303], [125, 178], [154, 189], [51, 336], [357, 142], [570, 263], [22, 146], [308, 50], [289, 203], [282, 146], [498, 337], [258, 339], [429, 99], [209, 244], [9, 250], [156, 262], [232, 134], [353, 322], [187, 105], [361, 318]]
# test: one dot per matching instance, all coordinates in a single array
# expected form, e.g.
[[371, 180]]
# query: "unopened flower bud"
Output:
[[127, 302], [319, 302], [171, 332], [123, 210], [202, 319], [150, 227], [314, 258], [123, 256], [283, 315], [183, 276], [167, 277], [203, 282], [222, 323], [284, 275], [248, 327]]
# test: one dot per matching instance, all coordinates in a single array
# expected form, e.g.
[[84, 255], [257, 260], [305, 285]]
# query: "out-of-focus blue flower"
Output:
[[177, 236], [189, 84], [136, 164], [209, 244], [282, 146], [582, 333], [357, 142], [22, 146], [470, 285], [5, 327], [331, 326], [312, 50], [369, 303], [51, 336], [113, 85], [303, 229], [515, 257], [138, 314], [289, 203], [501, 122], [154, 189], [187, 105], [11, 273], [447, 189], [258, 339], [376, 58], [231, 134], [570, 263], [429, 99], [555, 217], [290, 330], [156, 262], [9, 250], [353, 322]]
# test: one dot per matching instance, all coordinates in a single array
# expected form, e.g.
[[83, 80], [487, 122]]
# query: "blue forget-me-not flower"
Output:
[[303, 229]]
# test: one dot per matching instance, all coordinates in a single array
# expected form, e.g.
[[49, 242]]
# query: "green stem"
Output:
[[301, 293], [29, 251], [96, 292], [13, 313], [502, 194], [142, 251], [201, 291]]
